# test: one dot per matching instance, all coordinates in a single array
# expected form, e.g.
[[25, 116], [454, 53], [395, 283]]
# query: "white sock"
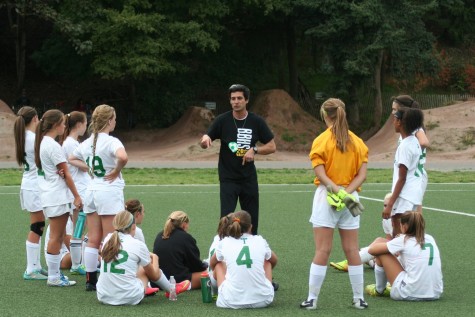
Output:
[[214, 284], [163, 282], [90, 259], [380, 277], [32, 255], [365, 256], [75, 250], [83, 247], [315, 280], [38, 261], [54, 262], [355, 273]]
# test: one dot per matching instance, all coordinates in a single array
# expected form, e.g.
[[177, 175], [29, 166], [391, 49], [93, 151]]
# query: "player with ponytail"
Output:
[[105, 157]]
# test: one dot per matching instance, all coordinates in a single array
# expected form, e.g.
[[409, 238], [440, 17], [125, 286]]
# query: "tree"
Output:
[[359, 34]]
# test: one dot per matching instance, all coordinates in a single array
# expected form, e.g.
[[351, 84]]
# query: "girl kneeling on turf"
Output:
[[127, 265], [242, 265], [410, 263]]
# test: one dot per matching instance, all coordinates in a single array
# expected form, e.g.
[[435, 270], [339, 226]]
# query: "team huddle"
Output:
[[79, 187]]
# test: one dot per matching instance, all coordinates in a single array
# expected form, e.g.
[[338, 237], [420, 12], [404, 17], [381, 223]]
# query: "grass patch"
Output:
[[178, 176]]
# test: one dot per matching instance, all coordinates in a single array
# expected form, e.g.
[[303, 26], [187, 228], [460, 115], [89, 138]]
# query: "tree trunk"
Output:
[[292, 59], [132, 108], [20, 44], [353, 108], [378, 106]]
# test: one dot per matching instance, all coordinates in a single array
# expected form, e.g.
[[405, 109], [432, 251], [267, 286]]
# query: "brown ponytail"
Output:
[[50, 119], [24, 117]]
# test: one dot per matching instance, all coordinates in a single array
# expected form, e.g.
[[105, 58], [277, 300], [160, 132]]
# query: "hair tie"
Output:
[[41, 120], [237, 220], [69, 115]]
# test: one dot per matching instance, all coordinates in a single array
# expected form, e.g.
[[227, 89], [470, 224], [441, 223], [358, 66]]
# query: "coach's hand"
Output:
[[205, 141]]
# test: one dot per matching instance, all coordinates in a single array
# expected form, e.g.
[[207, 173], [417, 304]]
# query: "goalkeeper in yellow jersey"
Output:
[[339, 159]]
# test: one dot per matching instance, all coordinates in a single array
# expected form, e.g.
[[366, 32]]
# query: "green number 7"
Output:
[[431, 252]]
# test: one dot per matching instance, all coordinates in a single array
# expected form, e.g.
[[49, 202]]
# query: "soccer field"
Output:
[[285, 210]]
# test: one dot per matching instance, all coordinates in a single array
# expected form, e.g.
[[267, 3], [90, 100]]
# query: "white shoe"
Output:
[[309, 304], [360, 304]]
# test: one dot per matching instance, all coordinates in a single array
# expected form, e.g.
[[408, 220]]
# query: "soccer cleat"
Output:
[[44, 272], [340, 266], [61, 281], [90, 287], [309, 304], [371, 290], [34, 275], [275, 286], [360, 304], [80, 270], [180, 287], [150, 291]]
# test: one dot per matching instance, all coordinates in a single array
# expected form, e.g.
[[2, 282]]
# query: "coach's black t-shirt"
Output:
[[237, 137]]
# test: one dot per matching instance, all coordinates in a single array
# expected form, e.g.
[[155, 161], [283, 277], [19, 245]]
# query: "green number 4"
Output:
[[121, 258], [244, 257], [431, 252]]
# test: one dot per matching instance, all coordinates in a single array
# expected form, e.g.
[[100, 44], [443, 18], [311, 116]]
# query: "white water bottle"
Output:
[[172, 288]]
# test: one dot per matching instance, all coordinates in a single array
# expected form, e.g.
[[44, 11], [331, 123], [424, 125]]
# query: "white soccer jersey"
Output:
[[245, 281], [423, 267], [53, 188], [212, 249], [139, 234], [408, 153], [29, 180], [104, 161], [118, 283], [422, 158], [81, 179]]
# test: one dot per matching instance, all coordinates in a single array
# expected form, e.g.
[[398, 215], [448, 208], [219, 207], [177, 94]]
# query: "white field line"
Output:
[[429, 208]]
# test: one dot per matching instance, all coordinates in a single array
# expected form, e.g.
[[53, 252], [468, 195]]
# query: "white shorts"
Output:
[[30, 200], [104, 203], [56, 211], [224, 291], [402, 205], [323, 215]]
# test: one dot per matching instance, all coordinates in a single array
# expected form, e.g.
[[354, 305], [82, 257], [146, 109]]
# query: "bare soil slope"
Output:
[[451, 131]]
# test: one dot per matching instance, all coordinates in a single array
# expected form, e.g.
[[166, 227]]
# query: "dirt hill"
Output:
[[450, 129]]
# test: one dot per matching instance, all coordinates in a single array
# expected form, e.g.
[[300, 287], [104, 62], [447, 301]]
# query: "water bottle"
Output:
[[206, 288], [78, 230], [172, 288]]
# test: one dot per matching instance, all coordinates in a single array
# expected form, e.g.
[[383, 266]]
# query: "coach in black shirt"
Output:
[[239, 131]]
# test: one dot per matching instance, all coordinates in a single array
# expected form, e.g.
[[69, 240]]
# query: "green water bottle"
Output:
[[78, 230], [206, 288]]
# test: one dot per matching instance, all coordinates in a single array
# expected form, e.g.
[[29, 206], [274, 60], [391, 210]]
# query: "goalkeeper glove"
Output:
[[333, 200], [354, 206]]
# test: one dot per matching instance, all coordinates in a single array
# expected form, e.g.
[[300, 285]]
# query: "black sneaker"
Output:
[[276, 286], [360, 304], [90, 287], [309, 304]]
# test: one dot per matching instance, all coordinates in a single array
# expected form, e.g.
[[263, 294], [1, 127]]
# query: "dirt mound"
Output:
[[7, 141], [450, 129], [5, 108], [294, 129]]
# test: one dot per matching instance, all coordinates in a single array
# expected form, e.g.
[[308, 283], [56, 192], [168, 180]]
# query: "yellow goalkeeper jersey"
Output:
[[341, 167]]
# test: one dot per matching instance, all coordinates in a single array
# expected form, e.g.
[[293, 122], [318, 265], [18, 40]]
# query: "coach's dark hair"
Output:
[[415, 226], [411, 118], [406, 101], [240, 224], [70, 121], [238, 87], [24, 117], [50, 120]]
